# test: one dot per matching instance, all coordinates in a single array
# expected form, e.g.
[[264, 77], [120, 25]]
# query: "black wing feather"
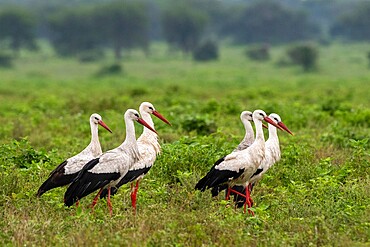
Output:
[[258, 171], [129, 177], [87, 182], [216, 177], [57, 178]]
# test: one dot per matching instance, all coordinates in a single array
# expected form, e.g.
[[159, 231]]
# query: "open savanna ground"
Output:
[[318, 194]]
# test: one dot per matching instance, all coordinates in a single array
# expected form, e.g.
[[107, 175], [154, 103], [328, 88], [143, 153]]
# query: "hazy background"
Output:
[[87, 29]]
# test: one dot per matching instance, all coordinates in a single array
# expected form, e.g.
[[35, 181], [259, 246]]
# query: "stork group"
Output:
[[239, 170], [92, 170]]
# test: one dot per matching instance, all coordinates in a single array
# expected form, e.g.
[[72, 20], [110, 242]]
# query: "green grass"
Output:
[[318, 194]]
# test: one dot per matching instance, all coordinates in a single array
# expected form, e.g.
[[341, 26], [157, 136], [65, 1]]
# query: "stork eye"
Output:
[[262, 114], [96, 118], [151, 108], [276, 119], [136, 115]]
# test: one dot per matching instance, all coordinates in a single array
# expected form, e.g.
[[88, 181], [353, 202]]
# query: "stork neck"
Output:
[[94, 133], [147, 118], [249, 134], [259, 130], [272, 132], [130, 132]]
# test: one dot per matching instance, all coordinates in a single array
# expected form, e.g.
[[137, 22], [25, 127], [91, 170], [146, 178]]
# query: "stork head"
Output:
[[259, 115], [149, 108], [96, 119], [133, 115], [276, 118], [246, 116]]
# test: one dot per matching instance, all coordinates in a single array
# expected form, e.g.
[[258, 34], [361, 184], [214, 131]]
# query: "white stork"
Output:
[[246, 118], [68, 169], [237, 167], [272, 155], [149, 148], [108, 169]]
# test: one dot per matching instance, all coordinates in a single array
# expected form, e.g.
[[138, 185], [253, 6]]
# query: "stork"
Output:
[[68, 169], [237, 167], [272, 155], [246, 118], [148, 147], [109, 168]]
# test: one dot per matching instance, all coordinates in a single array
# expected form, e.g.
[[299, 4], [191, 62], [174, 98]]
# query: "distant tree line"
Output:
[[86, 30]]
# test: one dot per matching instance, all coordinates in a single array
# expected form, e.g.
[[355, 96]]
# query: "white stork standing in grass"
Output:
[[109, 168], [68, 169], [237, 167], [272, 155], [149, 148], [246, 118]]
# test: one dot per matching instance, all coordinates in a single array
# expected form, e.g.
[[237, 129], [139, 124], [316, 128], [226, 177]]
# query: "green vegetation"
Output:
[[318, 194]]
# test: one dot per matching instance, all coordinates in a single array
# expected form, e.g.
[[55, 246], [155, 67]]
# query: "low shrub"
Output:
[[206, 52], [258, 52], [304, 55]]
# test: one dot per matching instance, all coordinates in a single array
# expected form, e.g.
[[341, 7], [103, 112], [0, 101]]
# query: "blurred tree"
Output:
[[85, 30], [17, 28], [355, 24], [183, 27], [269, 22], [123, 25], [72, 31]]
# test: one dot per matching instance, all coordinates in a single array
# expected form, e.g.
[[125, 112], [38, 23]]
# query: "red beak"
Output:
[[142, 122], [269, 120], [282, 125], [158, 115], [100, 122]]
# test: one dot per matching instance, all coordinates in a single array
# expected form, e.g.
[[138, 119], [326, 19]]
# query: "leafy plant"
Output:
[[199, 124], [21, 154]]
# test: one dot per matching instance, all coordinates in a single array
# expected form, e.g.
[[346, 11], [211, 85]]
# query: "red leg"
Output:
[[109, 202], [134, 195], [250, 187], [237, 192], [96, 198], [77, 203], [228, 193], [248, 201]]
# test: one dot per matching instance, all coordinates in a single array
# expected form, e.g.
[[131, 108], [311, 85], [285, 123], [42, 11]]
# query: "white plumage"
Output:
[[68, 170], [272, 148], [246, 117], [107, 170], [148, 147], [272, 155], [237, 167]]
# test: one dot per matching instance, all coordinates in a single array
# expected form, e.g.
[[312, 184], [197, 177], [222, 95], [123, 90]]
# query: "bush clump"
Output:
[[113, 69], [90, 56], [199, 124], [259, 52], [304, 55], [206, 52], [5, 60]]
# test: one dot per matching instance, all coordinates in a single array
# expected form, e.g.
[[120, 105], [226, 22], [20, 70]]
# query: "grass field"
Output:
[[317, 195]]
